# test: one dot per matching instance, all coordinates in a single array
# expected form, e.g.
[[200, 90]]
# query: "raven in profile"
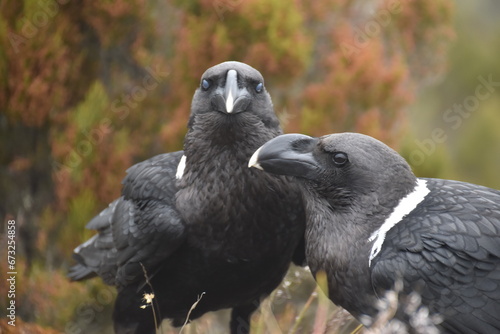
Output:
[[371, 222], [198, 223]]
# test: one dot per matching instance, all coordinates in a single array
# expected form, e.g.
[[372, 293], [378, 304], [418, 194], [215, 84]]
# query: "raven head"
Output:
[[339, 166], [232, 93]]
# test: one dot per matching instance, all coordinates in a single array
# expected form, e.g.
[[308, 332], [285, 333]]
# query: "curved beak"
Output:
[[290, 154], [231, 92], [235, 98]]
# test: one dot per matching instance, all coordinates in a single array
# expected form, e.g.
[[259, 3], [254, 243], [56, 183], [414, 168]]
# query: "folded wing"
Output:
[[139, 229]]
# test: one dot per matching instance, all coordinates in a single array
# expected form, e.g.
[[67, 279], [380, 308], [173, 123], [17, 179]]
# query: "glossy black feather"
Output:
[[141, 227], [222, 231], [454, 245], [446, 247]]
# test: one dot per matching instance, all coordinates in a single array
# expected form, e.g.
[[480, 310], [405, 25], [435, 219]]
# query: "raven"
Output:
[[371, 222], [198, 223]]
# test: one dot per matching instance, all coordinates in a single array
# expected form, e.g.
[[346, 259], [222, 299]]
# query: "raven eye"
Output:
[[340, 159], [259, 87], [205, 84]]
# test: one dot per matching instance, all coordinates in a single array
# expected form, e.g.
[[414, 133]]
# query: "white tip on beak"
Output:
[[253, 160], [231, 88], [180, 168], [229, 102]]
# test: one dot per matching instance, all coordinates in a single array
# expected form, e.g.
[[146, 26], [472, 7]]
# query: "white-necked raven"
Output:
[[371, 222], [199, 221]]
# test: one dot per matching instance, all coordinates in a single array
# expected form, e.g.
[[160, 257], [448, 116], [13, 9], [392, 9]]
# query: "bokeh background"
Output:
[[88, 88]]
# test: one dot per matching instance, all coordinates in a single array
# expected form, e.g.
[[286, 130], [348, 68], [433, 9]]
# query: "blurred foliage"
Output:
[[479, 146], [88, 88], [461, 105], [367, 64]]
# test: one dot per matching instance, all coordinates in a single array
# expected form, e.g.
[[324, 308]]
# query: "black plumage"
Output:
[[199, 221], [371, 222]]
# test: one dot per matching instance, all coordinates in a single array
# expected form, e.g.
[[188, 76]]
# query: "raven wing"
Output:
[[449, 249], [141, 228]]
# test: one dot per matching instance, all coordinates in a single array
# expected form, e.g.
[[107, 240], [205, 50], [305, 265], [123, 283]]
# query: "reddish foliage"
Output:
[[306, 50]]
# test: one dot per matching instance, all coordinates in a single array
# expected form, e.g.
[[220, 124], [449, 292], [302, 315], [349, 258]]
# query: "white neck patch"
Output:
[[180, 168], [405, 206]]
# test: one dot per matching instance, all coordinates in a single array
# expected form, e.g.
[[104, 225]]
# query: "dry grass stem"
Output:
[[191, 310]]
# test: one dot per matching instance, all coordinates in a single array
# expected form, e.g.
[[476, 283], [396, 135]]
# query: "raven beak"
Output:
[[232, 93], [290, 154]]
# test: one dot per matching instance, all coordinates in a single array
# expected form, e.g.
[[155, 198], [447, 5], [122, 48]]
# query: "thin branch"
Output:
[[149, 298], [191, 310]]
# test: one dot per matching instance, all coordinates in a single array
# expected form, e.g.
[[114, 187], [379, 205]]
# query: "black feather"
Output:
[[447, 248], [223, 230]]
